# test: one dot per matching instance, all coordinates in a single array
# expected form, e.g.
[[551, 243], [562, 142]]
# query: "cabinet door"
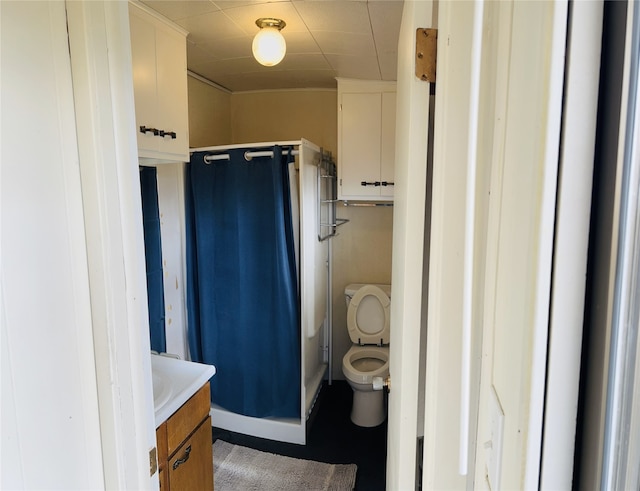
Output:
[[191, 468], [172, 99], [143, 56], [159, 58], [388, 142], [360, 144]]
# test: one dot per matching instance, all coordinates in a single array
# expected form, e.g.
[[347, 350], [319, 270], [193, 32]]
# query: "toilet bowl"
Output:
[[360, 365], [368, 326]]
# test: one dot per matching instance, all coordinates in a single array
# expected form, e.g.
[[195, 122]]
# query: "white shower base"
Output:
[[290, 430]]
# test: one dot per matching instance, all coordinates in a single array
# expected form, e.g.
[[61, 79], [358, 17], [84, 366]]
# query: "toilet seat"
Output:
[[364, 309], [357, 366]]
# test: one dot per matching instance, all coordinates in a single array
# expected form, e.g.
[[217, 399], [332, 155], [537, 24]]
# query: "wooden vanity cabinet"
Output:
[[185, 453]]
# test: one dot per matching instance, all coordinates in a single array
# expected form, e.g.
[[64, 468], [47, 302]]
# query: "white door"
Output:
[[497, 123], [516, 297], [497, 126]]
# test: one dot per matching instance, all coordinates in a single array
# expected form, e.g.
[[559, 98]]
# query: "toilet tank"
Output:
[[352, 288]]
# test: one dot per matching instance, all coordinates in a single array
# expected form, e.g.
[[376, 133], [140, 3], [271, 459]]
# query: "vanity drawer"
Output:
[[183, 422]]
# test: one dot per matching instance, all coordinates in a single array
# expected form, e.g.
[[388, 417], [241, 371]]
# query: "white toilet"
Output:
[[368, 326]]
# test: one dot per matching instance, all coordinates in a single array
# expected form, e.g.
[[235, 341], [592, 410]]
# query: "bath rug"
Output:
[[240, 468]]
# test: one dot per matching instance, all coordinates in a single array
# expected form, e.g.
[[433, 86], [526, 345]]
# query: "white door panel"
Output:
[[519, 245], [516, 161]]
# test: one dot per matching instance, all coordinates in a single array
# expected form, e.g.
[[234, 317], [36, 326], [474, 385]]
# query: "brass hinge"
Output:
[[426, 51], [153, 461]]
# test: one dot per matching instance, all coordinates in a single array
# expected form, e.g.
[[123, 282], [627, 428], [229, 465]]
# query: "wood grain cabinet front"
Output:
[[185, 452], [191, 467]]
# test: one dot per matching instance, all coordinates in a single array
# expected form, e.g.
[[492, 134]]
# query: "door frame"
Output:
[[100, 48], [410, 177], [582, 80]]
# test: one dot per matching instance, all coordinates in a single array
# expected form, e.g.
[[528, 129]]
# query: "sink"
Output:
[[161, 390], [174, 382]]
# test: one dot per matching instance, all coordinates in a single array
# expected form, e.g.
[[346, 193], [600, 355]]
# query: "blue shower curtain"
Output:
[[242, 300], [153, 257]]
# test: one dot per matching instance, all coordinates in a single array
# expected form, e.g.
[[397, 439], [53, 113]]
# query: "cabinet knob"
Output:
[[144, 129]]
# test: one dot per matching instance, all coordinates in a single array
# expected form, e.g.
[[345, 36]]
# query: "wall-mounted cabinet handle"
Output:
[[181, 461], [144, 129], [172, 134], [386, 183], [365, 183]]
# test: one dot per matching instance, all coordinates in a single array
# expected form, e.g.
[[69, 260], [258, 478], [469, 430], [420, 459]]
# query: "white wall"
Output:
[[77, 409], [50, 426]]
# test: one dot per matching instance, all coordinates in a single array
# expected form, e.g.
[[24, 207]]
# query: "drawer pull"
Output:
[[144, 129], [365, 183], [386, 183], [172, 134], [181, 461]]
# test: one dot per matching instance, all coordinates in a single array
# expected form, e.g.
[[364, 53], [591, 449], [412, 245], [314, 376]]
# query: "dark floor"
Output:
[[332, 438]]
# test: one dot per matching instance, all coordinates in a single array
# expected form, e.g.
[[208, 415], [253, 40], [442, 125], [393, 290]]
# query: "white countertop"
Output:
[[174, 382]]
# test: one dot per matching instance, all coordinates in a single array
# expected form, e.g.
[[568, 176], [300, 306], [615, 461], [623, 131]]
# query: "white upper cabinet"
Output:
[[159, 55], [366, 139]]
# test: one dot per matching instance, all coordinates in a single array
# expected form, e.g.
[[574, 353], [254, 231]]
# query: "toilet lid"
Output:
[[368, 316]]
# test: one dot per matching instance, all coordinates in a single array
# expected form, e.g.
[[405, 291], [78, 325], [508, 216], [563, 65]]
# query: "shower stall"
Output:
[[311, 200]]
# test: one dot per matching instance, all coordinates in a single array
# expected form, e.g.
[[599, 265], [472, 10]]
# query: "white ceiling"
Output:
[[325, 39]]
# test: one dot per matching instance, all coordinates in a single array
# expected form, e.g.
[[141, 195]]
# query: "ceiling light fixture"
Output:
[[269, 45]]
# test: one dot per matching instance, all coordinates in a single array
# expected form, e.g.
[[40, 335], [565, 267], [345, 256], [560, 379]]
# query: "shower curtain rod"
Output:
[[247, 155]]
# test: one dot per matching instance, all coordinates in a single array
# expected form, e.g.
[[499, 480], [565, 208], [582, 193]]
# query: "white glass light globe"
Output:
[[269, 46]]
